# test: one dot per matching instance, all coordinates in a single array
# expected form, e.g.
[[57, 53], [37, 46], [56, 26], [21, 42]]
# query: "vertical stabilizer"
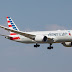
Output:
[[12, 25]]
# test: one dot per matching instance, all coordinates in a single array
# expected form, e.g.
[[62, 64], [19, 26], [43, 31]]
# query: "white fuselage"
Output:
[[57, 36]]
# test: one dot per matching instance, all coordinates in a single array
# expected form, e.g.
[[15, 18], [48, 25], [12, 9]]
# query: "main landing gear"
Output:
[[50, 47], [37, 45]]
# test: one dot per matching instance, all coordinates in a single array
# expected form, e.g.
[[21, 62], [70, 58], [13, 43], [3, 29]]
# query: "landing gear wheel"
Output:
[[50, 47], [37, 45]]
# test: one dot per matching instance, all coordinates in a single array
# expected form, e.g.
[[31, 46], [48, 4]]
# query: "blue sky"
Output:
[[35, 15]]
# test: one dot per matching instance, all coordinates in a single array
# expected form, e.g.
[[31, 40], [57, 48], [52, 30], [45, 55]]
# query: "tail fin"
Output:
[[12, 25]]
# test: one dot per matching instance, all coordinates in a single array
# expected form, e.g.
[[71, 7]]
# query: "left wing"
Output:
[[30, 36], [5, 35], [19, 32]]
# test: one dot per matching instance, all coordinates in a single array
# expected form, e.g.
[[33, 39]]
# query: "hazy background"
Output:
[[34, 15]]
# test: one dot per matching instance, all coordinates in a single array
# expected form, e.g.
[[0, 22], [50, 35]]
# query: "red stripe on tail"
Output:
[[6, 17], [10, 25], [8, 21], [13, 34]]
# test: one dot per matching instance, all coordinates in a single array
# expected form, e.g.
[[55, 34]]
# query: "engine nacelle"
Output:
[[67, 44], [45, 38], [40, 38]]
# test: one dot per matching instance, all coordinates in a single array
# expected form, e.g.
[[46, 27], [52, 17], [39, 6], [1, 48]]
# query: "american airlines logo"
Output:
[[57, 34]]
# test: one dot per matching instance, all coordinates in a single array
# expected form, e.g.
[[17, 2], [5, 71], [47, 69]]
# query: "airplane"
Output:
[[38, 37]]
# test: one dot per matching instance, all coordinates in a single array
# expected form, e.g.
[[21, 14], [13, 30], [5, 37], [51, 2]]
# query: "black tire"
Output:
[[38, 45], [35, 45], [48, 47], [51, 47]]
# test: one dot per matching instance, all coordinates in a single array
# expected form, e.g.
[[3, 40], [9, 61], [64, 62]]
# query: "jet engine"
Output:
[[67, 44], [40, 38], [45, 38]]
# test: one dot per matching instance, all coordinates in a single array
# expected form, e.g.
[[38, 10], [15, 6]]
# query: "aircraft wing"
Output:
[[30, 36], [19, 32], [4, 35]]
